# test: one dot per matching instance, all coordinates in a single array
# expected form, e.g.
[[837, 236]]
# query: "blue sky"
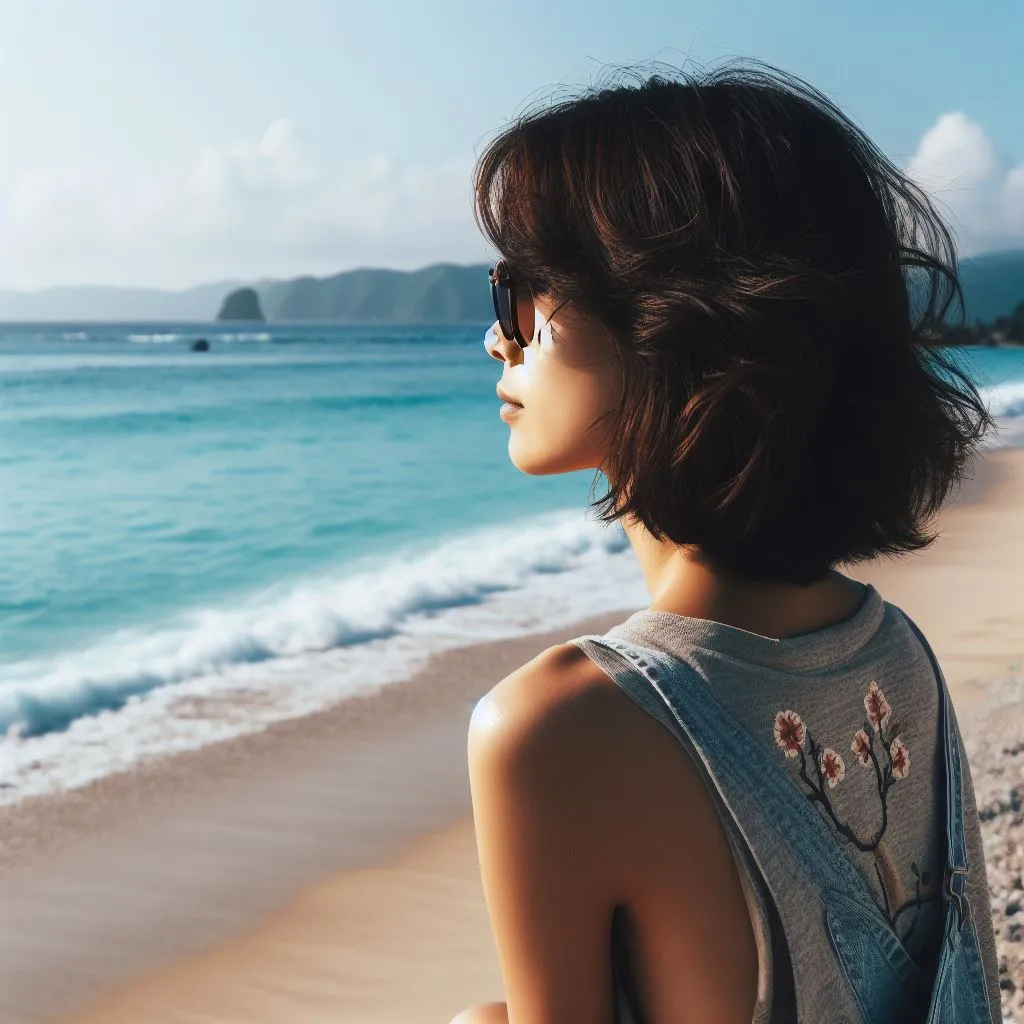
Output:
[[166, 144]]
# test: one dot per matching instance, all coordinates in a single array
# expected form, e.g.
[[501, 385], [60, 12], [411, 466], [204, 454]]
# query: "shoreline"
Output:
[[308, 807], [86, 873]]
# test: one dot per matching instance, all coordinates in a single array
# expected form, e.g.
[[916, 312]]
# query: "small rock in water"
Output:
[[200, 345]]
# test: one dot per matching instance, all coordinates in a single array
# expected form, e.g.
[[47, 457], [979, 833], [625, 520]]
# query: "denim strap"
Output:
[[955, 878]]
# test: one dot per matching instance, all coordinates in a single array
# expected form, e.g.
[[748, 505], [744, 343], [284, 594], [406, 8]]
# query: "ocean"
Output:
[[195, 545]]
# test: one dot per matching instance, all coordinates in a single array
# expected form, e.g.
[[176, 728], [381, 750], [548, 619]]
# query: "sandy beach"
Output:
[[325, 870]]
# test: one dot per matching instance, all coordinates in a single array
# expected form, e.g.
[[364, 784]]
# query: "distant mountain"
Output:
[[446, 293], [993, 284], [441, 293]]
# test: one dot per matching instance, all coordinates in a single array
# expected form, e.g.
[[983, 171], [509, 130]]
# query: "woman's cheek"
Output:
[[545, 339], [542, 350]]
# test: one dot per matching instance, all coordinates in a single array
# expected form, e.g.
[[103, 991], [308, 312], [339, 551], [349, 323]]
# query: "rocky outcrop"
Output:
[[241, 304]]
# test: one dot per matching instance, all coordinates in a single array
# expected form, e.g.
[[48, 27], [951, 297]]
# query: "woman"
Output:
[[749, 801]]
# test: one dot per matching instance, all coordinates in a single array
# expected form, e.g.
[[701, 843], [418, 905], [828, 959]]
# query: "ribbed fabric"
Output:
[[830, 683]]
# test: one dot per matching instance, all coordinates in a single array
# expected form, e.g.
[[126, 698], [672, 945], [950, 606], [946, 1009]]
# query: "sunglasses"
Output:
[[513, 305]]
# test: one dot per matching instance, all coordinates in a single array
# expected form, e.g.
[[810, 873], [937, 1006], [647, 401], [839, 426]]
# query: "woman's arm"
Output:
[[583, 803], [541, 825]]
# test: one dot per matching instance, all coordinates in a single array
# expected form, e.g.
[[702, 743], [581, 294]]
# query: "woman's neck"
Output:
[[680, 581]]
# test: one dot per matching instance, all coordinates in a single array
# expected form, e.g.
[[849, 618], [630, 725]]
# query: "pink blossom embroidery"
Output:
[[832, 767], [900, 759], [877, 745], [789, 732], [877, 706], [861, 746]]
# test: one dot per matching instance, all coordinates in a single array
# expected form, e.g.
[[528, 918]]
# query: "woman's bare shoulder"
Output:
[[560, 695], [561, 716]]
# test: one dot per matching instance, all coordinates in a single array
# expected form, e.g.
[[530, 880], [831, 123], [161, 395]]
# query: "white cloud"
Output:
[[980, 191], [265, 207], [247, 210]]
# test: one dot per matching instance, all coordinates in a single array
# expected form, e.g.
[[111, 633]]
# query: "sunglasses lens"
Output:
[[502, 307], [523, 316], [525, 312]]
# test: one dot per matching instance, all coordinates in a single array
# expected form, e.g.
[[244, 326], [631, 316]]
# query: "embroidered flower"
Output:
[[877, 706], [861, 746], [789, 732], [832, 767], [900, 758]]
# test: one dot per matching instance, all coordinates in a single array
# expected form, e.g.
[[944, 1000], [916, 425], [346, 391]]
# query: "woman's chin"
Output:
[[525, 462], [534, 463]]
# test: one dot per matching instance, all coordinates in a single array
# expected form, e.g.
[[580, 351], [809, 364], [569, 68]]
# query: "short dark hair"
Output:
[[769, 277]]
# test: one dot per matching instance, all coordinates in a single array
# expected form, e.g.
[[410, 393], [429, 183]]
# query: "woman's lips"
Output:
[[505, 397]]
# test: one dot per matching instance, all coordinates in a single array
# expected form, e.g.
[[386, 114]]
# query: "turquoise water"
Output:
[[170, 515], [140, 479]]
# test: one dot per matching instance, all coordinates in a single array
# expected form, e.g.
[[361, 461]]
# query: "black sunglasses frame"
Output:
[[503, 292]]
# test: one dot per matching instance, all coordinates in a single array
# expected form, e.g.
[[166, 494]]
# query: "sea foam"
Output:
[[1006, 400], [168, 338], [288, 651], [1006, 403]]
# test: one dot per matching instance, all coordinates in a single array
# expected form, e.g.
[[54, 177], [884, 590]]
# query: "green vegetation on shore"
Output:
[[1004, 330]]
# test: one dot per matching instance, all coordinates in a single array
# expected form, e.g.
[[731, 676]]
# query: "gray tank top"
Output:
[[852, 718]]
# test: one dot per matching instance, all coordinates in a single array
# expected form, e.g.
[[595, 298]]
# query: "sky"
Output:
[[167, 144]]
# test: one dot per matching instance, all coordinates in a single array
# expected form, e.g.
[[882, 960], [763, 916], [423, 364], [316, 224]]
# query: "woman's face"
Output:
[[565, 379]]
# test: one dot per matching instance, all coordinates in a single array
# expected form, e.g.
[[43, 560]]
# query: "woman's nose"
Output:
[[497, 345]]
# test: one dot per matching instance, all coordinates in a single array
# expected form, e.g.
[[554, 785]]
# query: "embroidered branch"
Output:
[[876, 746]]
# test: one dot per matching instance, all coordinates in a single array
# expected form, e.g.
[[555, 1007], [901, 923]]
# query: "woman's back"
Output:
[[860, 700]]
